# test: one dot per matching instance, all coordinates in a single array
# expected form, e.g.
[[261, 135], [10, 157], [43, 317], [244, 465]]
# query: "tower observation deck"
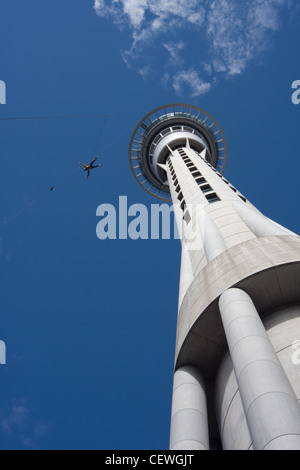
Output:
[[167, 128], [236, 375]]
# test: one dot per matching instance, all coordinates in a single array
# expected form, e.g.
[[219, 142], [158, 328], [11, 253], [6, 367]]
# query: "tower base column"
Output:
[[270, 405], [189, 424]]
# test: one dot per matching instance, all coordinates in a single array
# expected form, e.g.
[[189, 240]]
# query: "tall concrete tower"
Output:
[[237, 373]]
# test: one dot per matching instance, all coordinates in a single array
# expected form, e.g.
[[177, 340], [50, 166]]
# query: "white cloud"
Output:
[[16, 421], [174, 50], [191, 79], [231, 34], [16, 418], [135, 10]]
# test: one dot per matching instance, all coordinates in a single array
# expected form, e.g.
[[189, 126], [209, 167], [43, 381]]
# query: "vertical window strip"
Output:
[[206, 189]]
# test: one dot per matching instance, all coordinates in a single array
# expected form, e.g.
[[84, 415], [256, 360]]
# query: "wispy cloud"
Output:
[[16, 421], [229, 35], [190, 79]]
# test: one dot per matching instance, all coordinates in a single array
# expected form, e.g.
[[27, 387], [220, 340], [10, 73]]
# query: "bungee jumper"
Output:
[[87, 168], [90, 166]]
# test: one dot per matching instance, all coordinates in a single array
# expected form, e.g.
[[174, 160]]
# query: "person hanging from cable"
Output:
[[90, 166]]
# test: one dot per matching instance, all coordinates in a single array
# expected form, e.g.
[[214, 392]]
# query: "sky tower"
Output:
[[237, 373]]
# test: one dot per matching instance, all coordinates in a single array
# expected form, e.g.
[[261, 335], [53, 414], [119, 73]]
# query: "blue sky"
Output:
[[90, 325]]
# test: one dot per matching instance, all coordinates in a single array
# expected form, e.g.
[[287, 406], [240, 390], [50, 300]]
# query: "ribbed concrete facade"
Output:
[[237, 377]]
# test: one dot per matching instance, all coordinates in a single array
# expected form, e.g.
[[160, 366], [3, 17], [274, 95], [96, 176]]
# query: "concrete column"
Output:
[[260, 225], [270, 405], [189, 424]]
